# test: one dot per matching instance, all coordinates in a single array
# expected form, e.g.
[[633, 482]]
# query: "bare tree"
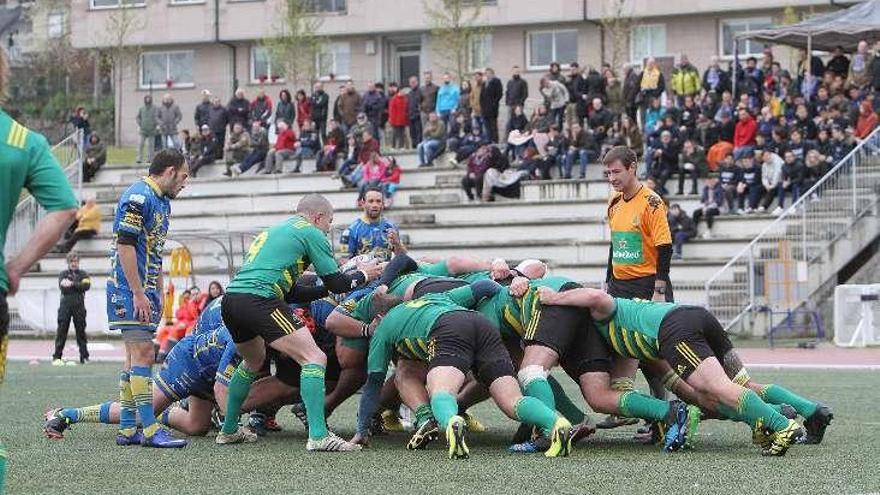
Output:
[[294, 47], [617, 23], [119, 53], [455, 26]]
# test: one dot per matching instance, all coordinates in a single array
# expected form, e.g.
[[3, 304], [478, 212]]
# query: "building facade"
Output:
[[185, 46]]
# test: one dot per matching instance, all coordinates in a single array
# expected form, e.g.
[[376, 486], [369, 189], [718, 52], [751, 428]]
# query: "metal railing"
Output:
[[792, 246], [69, 153]]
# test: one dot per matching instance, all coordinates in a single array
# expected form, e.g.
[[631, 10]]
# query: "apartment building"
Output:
[[190, 45]]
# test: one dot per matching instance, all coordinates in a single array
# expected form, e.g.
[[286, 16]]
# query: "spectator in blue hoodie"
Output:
[[447, 99]]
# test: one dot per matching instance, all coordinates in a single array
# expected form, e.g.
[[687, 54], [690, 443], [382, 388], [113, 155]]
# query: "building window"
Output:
[[334, 61], [55, 25], [545, 47], [480, 52], [261, 66], [325, 6], [112, 4], [646, 41], [730, 28], [167, 70]]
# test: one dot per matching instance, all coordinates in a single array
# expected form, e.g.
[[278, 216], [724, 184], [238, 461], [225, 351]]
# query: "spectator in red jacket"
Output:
[[744, 134], [285, 147], [398, 117], [867, 121], [303, 109], [261, 109]]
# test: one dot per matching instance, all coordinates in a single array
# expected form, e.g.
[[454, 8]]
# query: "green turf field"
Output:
[[87, 461]]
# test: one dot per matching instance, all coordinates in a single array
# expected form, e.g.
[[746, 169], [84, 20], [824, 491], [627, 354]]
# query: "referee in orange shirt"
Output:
[[639, 256]]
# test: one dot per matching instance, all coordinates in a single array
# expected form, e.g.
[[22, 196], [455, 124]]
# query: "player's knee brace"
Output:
[[528, 374]]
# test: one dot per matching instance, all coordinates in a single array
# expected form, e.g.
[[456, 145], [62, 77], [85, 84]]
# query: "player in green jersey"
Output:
[[440, 330], [256, 315], [695, 345]]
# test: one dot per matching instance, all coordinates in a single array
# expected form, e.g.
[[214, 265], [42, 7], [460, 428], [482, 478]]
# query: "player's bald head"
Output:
[[314, 204]]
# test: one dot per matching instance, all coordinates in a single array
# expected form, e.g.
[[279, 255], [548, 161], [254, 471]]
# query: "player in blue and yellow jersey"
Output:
[[370, 233], [134, 291], [692, 341], [210, 319]]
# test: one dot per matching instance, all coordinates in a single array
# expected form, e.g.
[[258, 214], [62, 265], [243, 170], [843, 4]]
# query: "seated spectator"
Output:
[[259, 140], [665, 161], [391, 181], [95, 157], [284, 149], [793, 172], [357, 129], [582, 147], [693, 163], [350, 160], [599, 119], [215, 290], [744, 134], [682, 229], [309, 142], [796, 144], [237, 148], [371, 173], [190, 145], [839, 147], [433, 141], [88, 223], [208, 151], [334, 146], [478, 163], [730, 176], [349, 169], [504, 183], [750, 187], [632, 136], [459, 129], [710, 203], [815, 169], [536, 166], [653, 116], [867, 120], [540, 121], [771, 178], [470, 144], [516, 125]]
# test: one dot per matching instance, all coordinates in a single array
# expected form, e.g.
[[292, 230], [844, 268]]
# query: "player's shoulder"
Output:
[[138, 193], [651, 198]]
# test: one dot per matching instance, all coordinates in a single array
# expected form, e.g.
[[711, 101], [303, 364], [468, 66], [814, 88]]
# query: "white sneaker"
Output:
[[242, 435], [707, 235], [236, 170], [778, 211], [761, 209], [331, 443], [57, 362], [70, 363]]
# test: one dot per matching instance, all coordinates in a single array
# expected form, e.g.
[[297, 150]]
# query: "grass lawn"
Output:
[[120, 155], [87, 461]]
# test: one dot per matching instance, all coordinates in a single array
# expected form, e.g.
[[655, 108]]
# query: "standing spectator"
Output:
[[839, 64], [555, 73], [303, 109], [203, 109], [860, 69], [614, 90], [730, 176], [464, 100], [793, 171], [307, 147], [867, 121], [80, 121], [413, 107], [218, 119], [771, 178], [517, 91], [596, 87], [600, 119], [447, 100], [398, 118], [652, 84], [88, 223], [665, 161], [685, 79], [577, 91], [319, 103], [148, 124], [682, 229], [433, 140], [285, 110], [259, 138], [238, 147], [632, 97], [73, 283], [209, 150], [239, 109], [752, 81], [710, 204], [374, 105], [750, 188], [285, 146], [715, 79], [261, 109], [95, 157], [809, 77], [490, 99], [692, 162], [349, 106], [474, 98], [582, 147], [169, 117], [555, 98], [744, 134], [391, 181], [427, 100]]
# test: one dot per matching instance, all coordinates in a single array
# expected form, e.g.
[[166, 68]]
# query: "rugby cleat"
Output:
[[241, 435], [455, 433], [615, 421], [693, 413], [473, 424], [331, 443], [390, 421], [426, 434], [523, 433], [216, 419], [582, 430], [677, 427], [816, 424], [272, 424], [560, 439], [783, 439], [162, 439], [135, 438], [299, 410], [257, 423], [762, 436], [533, 446], [55, 424]]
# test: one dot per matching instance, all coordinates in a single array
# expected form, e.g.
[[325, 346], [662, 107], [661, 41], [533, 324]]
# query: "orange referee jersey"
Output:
[[638, 226]]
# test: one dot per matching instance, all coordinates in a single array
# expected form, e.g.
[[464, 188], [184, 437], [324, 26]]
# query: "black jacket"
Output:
[[517, 92], [203, 110], [239, 110], [81, 283], [218, 119], [490, 98], [320, 102]]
